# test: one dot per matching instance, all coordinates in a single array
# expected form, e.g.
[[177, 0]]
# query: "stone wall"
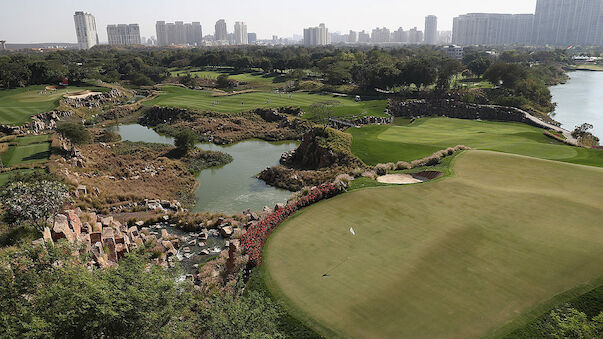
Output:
[[40, 122], [457, 109]]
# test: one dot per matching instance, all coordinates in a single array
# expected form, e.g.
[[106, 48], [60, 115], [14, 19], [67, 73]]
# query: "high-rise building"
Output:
[[179, 33], [252, 38], [380, 35], [431, 30], [221, 31], [492, 29], [415, 36], [240, 33], [364, 37], [400, 36], [352, 37], [123, 34], [568, 22], [85, 29], [316, 36], [162, 36]]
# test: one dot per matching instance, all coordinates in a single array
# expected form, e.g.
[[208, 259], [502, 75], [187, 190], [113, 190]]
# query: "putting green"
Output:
[[455, 258], [18, 105], [378, 144], [173, 96]]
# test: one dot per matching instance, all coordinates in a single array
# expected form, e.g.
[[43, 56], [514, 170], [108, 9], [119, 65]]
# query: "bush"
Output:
[[403, 165], [369, 174], [381, 169], [343, 180], [185, 141], [109, 136], [75, 132], [356, 172]]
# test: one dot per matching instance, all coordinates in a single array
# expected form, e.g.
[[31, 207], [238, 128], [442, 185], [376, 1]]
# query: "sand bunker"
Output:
[[402, 179], [51, 88], [81, 95]]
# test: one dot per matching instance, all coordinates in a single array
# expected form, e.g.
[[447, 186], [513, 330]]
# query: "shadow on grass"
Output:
[[13, 235], [37, 156]]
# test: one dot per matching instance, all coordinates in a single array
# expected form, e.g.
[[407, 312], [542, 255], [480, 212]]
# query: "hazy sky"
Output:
[[25, 21]]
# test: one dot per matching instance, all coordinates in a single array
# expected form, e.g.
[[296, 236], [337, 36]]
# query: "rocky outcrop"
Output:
[[40, 122], [461, 110], [360, 121]]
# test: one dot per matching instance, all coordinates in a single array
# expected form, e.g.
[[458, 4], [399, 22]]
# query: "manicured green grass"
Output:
[[593, 67], [6, 176], [459, 257], [18, 105], [29, 149], [202, 100], [378, 144]]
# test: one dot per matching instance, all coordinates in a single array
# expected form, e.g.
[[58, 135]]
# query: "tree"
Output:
[[224, 82], [252, 316], [33, 203], [75, 132], [479, 65], [448, 68], [185, 141], [417, 71], [505, 73], [322, 111], [567, 322]]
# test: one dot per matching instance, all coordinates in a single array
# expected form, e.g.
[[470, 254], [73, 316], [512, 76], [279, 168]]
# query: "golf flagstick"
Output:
[[346, 258]]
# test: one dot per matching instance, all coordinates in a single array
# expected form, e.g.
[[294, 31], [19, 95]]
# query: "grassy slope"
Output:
[[29, 149], [18, 105], [458, 257], [375, 144], [202, 100]]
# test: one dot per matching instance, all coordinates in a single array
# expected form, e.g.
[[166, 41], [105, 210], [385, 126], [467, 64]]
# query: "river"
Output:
[[580, 100], [231, 188]]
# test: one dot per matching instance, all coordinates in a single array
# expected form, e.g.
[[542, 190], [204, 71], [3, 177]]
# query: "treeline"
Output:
[[524, 74]]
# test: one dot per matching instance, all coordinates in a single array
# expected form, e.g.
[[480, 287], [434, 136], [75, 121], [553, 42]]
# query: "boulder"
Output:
[[74, 222], [61, 229], [95, 237], [164, 233], [106, 221], [226, 231], [139, 223], [97, 227], [46, 235]]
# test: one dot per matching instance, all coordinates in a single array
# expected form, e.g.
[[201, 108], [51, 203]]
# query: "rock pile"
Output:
[[96, 100], [40, 122]]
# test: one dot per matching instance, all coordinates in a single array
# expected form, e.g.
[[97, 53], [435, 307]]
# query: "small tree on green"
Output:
[[185, 141], [75, 132]]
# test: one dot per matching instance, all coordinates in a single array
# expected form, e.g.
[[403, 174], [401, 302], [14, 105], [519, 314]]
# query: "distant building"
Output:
[[221, 30], [240, 33], [364, 37], [85, 29], [380, 35], [316, 36], [431, 30], [400, 36], [444, 37], [415, 36], [252, 38], [178, 33], [123, 34], [454, 51], [568, 22], [492, 29], [352, 37]]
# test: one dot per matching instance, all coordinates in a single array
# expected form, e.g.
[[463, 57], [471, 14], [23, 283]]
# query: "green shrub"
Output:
[[75, 132]]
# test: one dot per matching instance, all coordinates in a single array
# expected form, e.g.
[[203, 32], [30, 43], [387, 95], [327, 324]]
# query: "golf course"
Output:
[[18, 105], [173, 96], [27, 149], [391, 143], [465, 256]]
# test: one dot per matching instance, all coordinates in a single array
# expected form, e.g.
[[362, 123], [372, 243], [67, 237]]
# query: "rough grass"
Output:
[[173, 96], [459, 257], [18, 105], [28, 149], [256, 80], [379, 144]]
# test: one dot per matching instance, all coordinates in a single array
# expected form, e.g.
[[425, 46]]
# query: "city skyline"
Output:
[[265, 17]]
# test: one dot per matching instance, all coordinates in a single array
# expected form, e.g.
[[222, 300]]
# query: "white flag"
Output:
[[352, 231]]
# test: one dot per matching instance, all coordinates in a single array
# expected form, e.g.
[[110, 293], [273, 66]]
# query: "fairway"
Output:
[[255, 80], [28, 149], [379, 144], [202, 100], [18, 105], [455, 258]]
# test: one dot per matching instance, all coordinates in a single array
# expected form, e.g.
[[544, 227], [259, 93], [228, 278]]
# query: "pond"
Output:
[[232, 188], [580, 100]]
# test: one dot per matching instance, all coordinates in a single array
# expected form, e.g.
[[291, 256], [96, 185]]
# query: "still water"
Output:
[[231, 188], [580, 100]]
